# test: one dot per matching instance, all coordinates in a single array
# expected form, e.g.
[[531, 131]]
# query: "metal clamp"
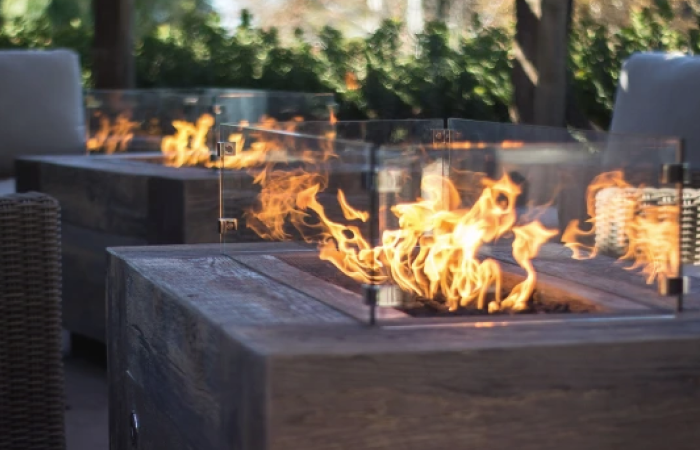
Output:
[[225, 149], [675, 173], [227, 225], [388, 181], [443, 136], [384, 296], [671, 287]]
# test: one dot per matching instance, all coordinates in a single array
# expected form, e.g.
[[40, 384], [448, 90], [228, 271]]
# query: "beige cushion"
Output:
[[41, 105], [659, 94]]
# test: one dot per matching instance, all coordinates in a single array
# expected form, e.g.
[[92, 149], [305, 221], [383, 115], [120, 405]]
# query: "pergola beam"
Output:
[[539, 74], [113, 44]]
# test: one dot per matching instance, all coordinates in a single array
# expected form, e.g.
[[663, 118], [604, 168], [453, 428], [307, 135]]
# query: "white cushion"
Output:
[[659, 94], [41, 105]]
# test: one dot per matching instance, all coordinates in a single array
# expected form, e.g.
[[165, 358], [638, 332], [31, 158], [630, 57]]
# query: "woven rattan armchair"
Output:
[[31, 368]]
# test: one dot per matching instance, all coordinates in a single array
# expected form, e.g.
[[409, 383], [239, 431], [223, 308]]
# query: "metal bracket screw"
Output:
[[227, 225], [675, 173]]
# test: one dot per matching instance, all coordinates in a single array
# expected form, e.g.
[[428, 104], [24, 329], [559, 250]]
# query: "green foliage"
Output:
[[597, 52], [378, 76]]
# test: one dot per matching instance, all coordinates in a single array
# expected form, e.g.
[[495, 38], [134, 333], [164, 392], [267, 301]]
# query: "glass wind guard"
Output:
[[268, 108], [299, 208], [475, 132], [558, 231], [377, 132], [148, 121]]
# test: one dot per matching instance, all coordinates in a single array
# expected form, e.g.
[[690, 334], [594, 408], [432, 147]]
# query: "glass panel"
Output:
[[257, 107], [139, 120], [183, 122], [378, 132], [558, 230], [551, 225], [475, 131], [121, 121], [305, 200]]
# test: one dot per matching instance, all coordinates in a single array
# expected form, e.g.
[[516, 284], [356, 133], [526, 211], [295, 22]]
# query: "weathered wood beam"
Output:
[[539, 73], [113, 55]]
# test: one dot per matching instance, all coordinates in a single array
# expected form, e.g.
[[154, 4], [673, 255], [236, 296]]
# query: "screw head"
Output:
[[134, 429]]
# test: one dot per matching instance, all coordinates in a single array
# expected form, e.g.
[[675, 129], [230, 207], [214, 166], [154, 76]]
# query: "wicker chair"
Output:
[[31, 368]]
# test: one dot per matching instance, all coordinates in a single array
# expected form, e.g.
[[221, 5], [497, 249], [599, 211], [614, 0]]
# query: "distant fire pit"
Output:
[[148, 177]]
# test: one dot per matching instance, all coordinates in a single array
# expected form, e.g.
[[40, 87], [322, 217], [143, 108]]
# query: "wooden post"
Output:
[[113, 56], [539, 74]]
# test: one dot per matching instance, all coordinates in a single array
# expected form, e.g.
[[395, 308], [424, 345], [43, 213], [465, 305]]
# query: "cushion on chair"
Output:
[[41, 105], [659, 94]]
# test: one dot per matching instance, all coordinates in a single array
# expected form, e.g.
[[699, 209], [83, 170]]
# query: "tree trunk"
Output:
[[113, 55], [539, 73]]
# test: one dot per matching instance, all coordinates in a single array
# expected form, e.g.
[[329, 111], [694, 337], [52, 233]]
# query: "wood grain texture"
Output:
[[123, 195], [121, 200], [602, 273], [84, 272], [166, 345], [216, 360]]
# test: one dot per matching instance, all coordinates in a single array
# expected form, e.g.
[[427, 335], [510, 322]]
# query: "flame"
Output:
[[434, 251], [112, 137], [651, 231], [351, 83], [189, 146], [467, 145]]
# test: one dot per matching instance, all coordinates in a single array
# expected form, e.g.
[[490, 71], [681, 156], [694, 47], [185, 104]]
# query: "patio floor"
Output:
[[86, 396]]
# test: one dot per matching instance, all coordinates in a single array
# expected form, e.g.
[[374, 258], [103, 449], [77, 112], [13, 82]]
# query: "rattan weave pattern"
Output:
[[31, 369], [615, 207]]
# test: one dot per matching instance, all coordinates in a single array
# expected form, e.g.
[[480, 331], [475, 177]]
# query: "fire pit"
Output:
[[137, 186], [137, 120], [433, 223], [415, 296]]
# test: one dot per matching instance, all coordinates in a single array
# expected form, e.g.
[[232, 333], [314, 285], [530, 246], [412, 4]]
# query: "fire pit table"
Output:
[[147, 178], [411, 298]]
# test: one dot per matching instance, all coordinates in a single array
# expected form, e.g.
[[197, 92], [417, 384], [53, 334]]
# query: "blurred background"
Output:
[[383, 58]]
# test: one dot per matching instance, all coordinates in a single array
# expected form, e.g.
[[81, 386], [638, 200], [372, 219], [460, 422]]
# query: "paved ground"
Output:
[[86, 395]]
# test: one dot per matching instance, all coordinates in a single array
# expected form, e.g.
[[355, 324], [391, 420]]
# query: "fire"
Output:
[[434, 252], [436, 249], [189, 145], [112, 137], [351, 83], [649, 233], [467, 145]]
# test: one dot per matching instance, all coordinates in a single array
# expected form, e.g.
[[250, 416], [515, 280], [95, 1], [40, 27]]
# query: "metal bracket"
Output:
[[671, 287], [225, 149], [227, 225], [388, 181], [384, 296], [675, 173], [443, 136], [384, 181]]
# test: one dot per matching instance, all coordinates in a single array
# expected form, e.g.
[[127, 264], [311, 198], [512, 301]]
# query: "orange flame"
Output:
[[467, 145], [112, 137], [434, 251], [648, 233], [189, 146], [351, 83]]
